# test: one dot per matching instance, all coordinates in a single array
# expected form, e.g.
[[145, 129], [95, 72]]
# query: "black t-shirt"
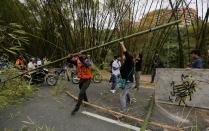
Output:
[[138, 65], [127, 68]]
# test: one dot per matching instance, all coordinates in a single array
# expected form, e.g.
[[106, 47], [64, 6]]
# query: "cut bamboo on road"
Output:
[[140, 120], [148, 115]]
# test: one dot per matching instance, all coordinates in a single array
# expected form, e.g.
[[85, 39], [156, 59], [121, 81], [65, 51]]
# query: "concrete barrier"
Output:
[[170, 83]]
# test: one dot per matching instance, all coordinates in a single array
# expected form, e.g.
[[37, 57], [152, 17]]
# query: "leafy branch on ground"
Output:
[[14, 91]]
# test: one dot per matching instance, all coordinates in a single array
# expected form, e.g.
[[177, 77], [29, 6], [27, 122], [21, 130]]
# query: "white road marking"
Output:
[[111, 121]]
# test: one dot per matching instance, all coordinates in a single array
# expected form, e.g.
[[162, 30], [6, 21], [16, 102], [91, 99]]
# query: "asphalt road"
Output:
[[46, 111], [49, 112]]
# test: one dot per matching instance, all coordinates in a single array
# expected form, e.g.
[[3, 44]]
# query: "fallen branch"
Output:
[[127, 116]]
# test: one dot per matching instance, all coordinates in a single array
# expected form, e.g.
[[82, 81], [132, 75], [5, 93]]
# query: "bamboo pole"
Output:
[[133, 35], [102, 45], [161, 125], [148, 115]]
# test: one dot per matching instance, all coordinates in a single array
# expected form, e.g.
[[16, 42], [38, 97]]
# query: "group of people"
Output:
[[116, 70], [22, 64], [122, 68], [125, 70], [116, 73]]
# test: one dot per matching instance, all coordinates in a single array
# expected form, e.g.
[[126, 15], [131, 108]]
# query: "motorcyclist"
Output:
[[31, 65], [20, 63]]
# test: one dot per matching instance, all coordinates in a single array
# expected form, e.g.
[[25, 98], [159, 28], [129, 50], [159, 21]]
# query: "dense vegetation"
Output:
[[57, 27], [14, 91]]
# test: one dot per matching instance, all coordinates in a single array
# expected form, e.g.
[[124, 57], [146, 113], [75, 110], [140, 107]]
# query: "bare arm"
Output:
[[123, 46], [125, 52]]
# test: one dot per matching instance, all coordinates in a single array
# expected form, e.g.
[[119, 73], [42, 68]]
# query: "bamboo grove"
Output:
[[55, 28]]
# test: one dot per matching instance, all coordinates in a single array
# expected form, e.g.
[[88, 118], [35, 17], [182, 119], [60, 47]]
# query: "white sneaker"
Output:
[[113, 91]]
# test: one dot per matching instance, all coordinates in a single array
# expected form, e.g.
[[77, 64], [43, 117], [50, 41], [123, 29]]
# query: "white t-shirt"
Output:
[[39, 63], [116, 64], [31, 66]]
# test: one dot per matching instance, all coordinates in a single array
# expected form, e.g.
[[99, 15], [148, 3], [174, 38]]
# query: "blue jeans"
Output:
[[153, 74], [124, 96], [114, 81]]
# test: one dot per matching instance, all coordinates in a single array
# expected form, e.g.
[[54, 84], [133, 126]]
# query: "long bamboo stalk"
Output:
[[126, 116], [103, 45], [133, 35], [148, 115]]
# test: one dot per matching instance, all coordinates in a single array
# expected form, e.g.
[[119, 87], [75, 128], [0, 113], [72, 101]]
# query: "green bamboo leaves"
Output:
[[12, 38]]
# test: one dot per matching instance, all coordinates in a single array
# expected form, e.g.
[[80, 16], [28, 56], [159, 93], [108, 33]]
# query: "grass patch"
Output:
[[14, 91]]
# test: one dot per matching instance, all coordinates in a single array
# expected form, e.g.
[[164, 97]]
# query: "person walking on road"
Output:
[[115, 72], [84, 71], [157, 63], [138, 68], [126, 70]]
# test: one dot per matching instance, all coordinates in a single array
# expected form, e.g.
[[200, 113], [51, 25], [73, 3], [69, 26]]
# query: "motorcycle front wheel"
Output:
[[75, 79], [51, 80]]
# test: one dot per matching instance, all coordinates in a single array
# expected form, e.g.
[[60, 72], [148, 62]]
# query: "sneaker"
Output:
[[113, 91], [74, 111]]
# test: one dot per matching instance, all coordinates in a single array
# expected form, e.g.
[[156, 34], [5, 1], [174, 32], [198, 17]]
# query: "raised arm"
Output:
[[125, 52], [123, 46]]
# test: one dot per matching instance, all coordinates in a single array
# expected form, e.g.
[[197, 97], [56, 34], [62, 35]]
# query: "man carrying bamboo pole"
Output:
[[126, 70], [83, 65]]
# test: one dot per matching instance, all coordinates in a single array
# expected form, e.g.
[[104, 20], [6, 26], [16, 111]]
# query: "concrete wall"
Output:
[[165, 76]]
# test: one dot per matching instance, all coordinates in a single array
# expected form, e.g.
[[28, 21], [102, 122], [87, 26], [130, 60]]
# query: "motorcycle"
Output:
[[41, 76], [97, 78], [62, 72]]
